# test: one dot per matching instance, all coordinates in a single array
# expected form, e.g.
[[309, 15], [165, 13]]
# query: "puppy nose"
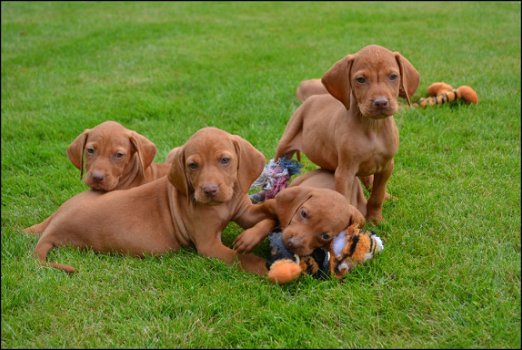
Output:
[[380, 102], [97, 176], [210, 190]]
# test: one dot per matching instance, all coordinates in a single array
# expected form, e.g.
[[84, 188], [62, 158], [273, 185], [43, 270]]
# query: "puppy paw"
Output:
[[247, 241], [374, 219]]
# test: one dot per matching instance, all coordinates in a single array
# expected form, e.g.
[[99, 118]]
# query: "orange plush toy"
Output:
[[348, 249], [441, 93]]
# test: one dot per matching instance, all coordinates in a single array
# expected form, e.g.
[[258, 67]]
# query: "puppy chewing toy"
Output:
[[345, 251], [441, 93], [274, 178]]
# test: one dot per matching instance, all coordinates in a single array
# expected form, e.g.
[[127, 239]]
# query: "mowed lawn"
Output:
[[449, 275]]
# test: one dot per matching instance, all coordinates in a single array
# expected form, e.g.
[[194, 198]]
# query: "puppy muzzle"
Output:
[[379, 107]]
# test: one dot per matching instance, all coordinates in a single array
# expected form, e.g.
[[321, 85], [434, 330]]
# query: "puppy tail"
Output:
[[290, 142], [42, 249]]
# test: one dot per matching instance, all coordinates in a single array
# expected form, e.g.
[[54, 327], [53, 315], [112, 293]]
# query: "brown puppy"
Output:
[[351, 130], [312, 87], [309, 217], [115, 158], [207, 187]]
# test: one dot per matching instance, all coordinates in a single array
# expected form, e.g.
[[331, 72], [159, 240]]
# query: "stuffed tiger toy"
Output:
[[345, 251], [441, 93]]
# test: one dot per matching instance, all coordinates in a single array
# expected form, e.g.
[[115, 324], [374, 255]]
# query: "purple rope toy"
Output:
[[274, 178]]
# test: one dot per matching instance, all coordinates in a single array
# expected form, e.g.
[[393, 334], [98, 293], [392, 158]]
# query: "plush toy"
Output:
[[344, 252], [274, 178], [440, 93]]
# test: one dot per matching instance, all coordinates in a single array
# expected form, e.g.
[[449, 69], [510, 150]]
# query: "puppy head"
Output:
[[213, 165], [110, 152], [311, 217], [373, 77]]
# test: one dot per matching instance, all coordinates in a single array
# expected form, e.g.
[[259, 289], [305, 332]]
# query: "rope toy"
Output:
[[348, 249], [274, 178], [441, 93]]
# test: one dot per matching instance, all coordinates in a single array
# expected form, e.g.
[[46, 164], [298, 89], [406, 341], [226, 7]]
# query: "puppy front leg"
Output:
[[374, 206], [214, 248], [344, 179], [359, 200], [368, 183], [250, 238], [250, 214], [263, 218]]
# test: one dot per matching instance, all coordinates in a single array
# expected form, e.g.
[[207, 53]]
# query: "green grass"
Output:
[[449, 276]]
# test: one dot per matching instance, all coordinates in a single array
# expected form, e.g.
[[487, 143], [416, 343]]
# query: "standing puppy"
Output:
[[206, 188], [351, 130], [114, 158]]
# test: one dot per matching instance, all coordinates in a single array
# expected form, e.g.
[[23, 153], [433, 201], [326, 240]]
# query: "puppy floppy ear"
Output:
[[410, 78], [289, 200], [250, 162], [76, 149], [172, 154], [177, 175], [337, 80], [145, 149]]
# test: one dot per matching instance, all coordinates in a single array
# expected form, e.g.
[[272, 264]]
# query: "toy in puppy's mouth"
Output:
[[345, 251]]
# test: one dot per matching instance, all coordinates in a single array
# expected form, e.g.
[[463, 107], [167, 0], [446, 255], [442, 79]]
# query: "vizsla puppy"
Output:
[[309, 217], [312, 87], [207, 187], [351, 130], [115, 158]]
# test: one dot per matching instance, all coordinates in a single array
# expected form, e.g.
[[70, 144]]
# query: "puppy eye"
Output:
[[393, 76], [225, 161], [361, 80], [90, 150], [325, 236], [193, 166], [303, 213], [119, 155]]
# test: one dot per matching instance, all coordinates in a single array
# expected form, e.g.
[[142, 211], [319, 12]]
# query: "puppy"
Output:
[[351, 130], [309, 217], [115, 158], [206, 188]]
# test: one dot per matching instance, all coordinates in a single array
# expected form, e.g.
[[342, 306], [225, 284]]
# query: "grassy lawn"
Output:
[[449, 275]]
